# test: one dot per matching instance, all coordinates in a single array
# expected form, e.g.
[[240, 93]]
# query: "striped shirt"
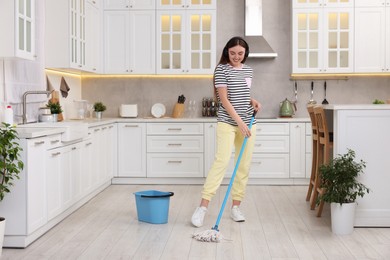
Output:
[[238, 84]]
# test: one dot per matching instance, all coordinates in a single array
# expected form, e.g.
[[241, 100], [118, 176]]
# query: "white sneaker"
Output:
[[236, 214], [198, 216]]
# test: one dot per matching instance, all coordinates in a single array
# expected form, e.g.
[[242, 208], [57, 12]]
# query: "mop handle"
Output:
[[233, 175]]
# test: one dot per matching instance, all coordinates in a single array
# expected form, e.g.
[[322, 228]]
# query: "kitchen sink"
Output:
[[73, 130]]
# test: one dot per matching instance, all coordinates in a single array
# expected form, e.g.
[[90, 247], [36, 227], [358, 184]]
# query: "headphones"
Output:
[[233, 42]]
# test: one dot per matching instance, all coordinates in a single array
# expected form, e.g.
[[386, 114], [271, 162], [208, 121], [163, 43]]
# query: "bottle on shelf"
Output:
[[9, 115]]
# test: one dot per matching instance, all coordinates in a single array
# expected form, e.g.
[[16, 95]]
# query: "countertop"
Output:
[[358, 107], [28, 131]]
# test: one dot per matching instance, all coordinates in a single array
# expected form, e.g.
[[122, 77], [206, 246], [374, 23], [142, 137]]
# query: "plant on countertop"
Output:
[[99, 107], [10, 162], [377, 101], [339, 179], [55, 108]]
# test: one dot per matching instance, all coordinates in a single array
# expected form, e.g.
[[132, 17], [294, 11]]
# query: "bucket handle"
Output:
[[158, 196]]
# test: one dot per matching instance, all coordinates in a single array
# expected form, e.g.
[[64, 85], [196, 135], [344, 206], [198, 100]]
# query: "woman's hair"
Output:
[[225, 54], [232, 43]]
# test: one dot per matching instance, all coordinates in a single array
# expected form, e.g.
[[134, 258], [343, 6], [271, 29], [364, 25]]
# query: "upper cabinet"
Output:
[[17, 24], [323, 36], [186, 4], [73, 35], [372, 36], [186, 40], [129, 4]]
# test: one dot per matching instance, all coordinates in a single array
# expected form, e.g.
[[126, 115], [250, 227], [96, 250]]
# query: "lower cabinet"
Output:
[[175, 150], [131, 150]]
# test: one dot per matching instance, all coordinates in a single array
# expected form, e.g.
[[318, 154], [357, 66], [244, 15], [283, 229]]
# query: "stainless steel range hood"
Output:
[[258, 46]]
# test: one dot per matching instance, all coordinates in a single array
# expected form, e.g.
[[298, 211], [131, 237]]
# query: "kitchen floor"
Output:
[[279, 225]]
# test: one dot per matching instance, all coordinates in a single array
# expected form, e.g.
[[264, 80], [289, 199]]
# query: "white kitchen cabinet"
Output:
[[54, 182], [17, 24], [129, 4], [175, 150], [372, 36], [186, 4], [104, 140], [131, 150], [323, 38], [87, 166], [297, 150], [93, 37], [68, 45], [186, 41], [322, 3], [128, 47]]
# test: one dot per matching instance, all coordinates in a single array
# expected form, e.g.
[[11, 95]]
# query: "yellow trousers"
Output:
[[227, 136]]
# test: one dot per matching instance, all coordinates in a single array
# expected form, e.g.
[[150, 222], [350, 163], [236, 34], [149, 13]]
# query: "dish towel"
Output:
[[64, 88], [49, 86]]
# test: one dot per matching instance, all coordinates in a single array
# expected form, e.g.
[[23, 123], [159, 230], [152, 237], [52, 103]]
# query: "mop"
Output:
[[213, 235]]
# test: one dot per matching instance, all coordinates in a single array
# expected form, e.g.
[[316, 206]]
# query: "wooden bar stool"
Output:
[[314, 135], [324, 150]]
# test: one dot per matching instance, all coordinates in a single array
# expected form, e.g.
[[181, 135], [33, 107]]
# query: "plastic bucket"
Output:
[[153, 206]]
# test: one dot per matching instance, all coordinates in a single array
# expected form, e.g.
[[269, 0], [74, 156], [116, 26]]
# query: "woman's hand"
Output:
[[256, 104]]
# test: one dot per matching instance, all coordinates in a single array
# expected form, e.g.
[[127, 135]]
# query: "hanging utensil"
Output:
[[325, 102], [312, 101], [295, 101]]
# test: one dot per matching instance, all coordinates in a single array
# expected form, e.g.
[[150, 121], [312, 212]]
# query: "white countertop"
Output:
[[358, 107], [24, 131]]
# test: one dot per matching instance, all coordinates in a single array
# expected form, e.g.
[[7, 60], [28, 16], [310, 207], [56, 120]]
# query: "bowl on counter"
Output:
[[46, 118]]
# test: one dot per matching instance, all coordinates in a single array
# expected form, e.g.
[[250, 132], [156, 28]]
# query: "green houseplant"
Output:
[[342, 188], [99, 108], [10, 165], [55, 107]]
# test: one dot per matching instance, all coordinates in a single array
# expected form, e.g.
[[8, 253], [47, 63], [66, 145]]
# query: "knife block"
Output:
[[178, 110]]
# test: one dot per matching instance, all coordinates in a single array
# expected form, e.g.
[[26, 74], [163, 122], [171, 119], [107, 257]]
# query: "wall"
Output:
[[271, 82]]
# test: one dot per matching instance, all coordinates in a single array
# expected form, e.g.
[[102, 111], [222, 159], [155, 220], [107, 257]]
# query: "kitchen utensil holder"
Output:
[[178, 110]]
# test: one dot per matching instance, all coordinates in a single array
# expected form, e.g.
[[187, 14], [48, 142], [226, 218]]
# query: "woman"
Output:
[[232, 83]]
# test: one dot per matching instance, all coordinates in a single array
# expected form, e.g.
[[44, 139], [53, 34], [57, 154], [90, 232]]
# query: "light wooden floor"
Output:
[[279, 225]]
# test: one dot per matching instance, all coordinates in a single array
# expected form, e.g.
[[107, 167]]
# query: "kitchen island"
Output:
[[365, 129]]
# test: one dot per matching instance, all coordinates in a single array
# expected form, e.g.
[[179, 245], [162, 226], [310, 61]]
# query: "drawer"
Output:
[[266, 166], [273, 129], [53, 141], [174, 129], [171, 144], [175, 165], [272, 144]]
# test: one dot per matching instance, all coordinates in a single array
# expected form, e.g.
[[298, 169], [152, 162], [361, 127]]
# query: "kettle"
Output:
[[286, 108]]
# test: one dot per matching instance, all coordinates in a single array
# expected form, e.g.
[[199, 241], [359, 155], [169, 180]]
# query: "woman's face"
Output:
[[236, 55]]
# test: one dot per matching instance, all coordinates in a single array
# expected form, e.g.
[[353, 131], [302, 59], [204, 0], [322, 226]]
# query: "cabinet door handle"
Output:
[[174, 144], [74, 148], [88, 143], [96, 130], [55, 154], [110, 126], [174, 161], [174, 129], [258, 145], [39, 143], [54, 141], [131, 125], [104, 128]]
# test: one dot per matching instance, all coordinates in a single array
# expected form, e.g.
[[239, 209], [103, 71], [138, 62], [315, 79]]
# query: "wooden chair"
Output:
[[324, 151], [314, 135]]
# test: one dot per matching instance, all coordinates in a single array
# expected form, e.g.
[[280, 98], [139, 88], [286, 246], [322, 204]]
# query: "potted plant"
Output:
[[55, 109], [99, 108], [10, 165], [341, 189]]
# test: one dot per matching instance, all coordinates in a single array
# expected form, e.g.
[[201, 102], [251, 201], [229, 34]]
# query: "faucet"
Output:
[[37, 92]]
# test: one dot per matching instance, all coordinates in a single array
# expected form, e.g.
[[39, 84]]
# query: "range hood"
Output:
[[258, 46]]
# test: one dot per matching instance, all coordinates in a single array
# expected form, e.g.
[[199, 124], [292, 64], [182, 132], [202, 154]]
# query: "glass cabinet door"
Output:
[[25, 21], [77, 33], [307, 40], [200, 44], [338, 39], [322, 3], [170, 42]]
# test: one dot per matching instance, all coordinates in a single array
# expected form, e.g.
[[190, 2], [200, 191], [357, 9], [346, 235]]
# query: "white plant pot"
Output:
[[2, 228], [343, 218]]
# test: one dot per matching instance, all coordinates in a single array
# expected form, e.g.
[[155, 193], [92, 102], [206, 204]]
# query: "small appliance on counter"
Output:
[[128, 110]]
